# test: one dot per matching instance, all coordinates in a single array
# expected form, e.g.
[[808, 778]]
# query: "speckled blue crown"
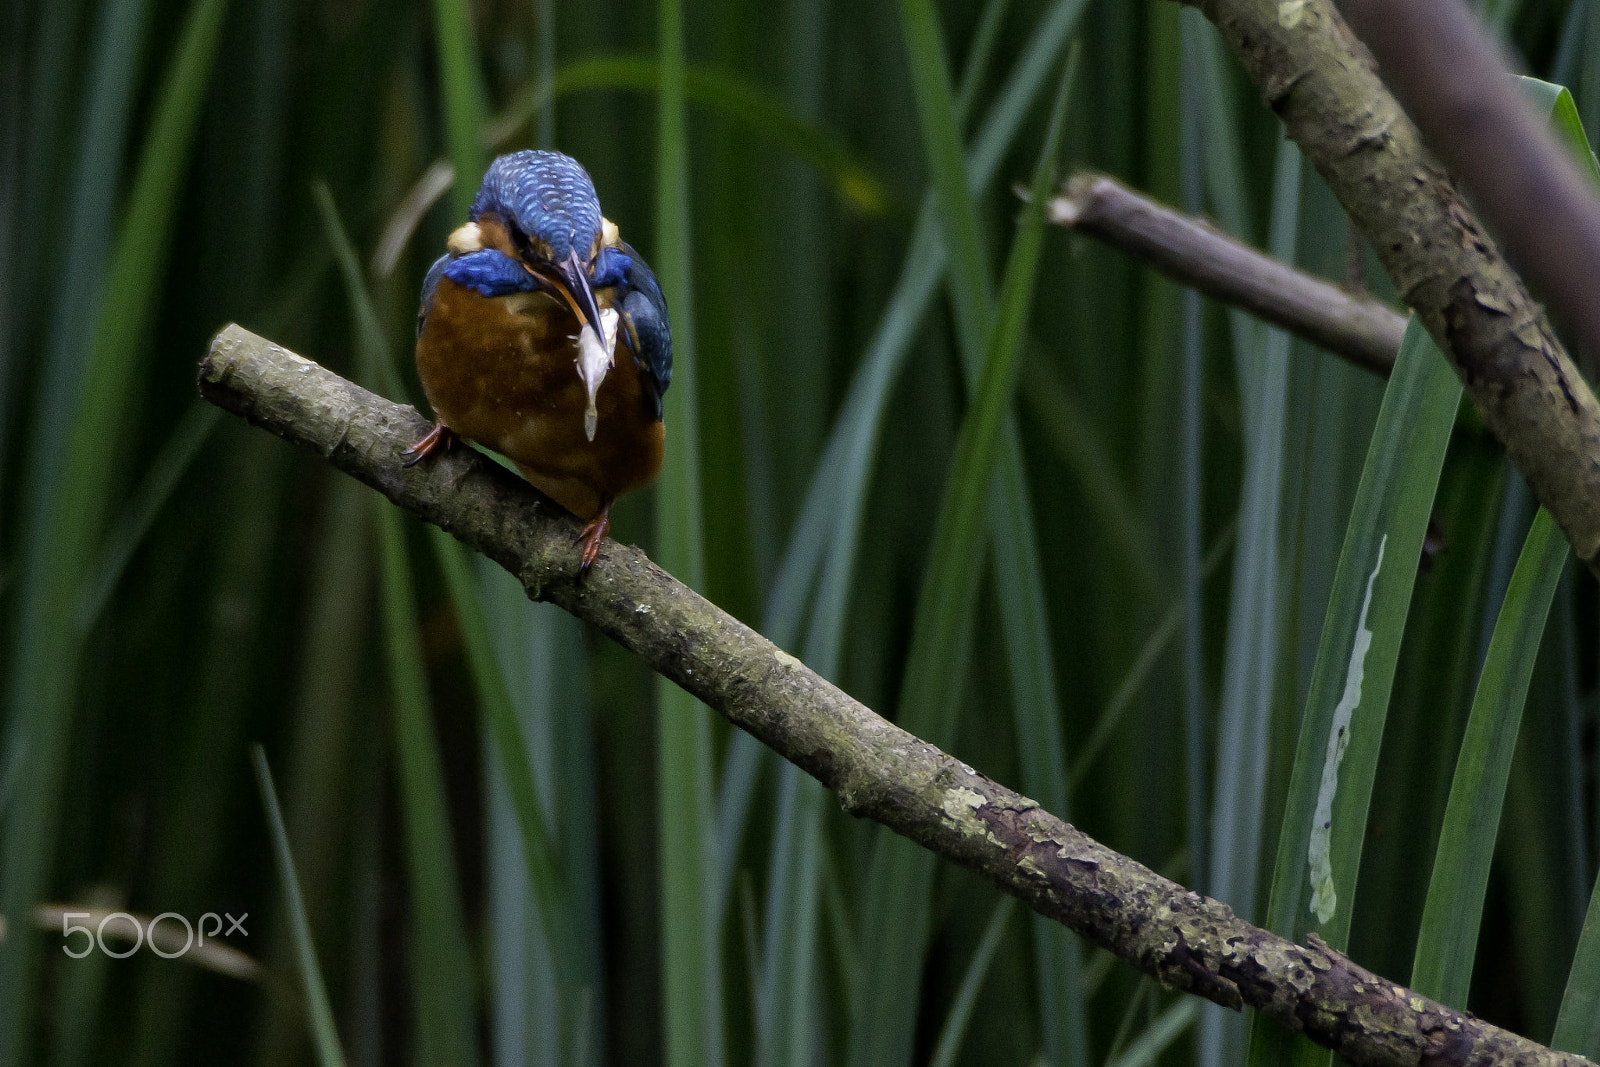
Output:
[[548, 195]]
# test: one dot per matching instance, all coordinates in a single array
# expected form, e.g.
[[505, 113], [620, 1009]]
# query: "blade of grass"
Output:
[[1204, 75], [544, 119], [795, 382], [1191, 181], [735, 97], [968, 275], [1227, 189], [10, 772], [979, 54], [1588, 80], [41, 70], [1167, 1028], [1577, 1027], [1340, 736], [1020, 590], [896, 907], [1563, 111], [95, 184], [1563, 67], [1222, 157], [1578, 1024], [70, 514], [1139, 671], [691, 946], [722, 92], [190, 832], [80, 989], [1430, 700], [573, 988], [1037, 713], [1135, 1006], [329, 714], [465, 101], [1498, 15], [369, 1034], [785, 1005], [441, 967], [1540, 935], [841, 931], [836, 497], [325, 1033], [954, 1030], [539, 651], [1448, 939], [130, 528], [830, 520], [1065, 422], [1252, 644]]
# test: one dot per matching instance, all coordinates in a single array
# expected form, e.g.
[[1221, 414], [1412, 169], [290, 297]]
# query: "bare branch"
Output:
[[1354, 326], [1320, 81], [877, 770]]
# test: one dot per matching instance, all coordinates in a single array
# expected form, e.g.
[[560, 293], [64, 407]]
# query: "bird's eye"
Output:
[[520, 240]]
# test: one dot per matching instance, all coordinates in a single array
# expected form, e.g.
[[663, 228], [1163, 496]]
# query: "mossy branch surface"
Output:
[[878, 771], [1318, 78]]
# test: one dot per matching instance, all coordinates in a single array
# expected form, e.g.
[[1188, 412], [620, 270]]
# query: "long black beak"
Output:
[[577, 281]]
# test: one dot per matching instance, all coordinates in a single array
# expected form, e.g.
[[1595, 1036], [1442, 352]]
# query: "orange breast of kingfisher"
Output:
[[501, 371]]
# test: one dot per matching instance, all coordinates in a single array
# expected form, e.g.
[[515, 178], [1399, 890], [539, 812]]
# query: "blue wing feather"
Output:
[[645, 308], [491, 273], [430, 282]]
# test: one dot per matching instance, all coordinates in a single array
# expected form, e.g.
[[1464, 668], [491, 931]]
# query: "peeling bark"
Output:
[[877, 770], [1319, 79]]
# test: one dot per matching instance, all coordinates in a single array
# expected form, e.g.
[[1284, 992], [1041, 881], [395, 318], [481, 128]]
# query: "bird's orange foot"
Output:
[[440, 437], [594, 531]]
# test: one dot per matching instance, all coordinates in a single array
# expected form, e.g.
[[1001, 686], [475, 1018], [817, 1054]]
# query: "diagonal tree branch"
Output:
[[1456, 86], [1354, 326], [1314, 74], [877, 770]]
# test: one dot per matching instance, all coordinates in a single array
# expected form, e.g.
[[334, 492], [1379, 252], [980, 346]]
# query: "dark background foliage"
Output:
[[229, 590]]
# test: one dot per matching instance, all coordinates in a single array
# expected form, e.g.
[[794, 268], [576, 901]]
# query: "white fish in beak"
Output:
[[594, 360]]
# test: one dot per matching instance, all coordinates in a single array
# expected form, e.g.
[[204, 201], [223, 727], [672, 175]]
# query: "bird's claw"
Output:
[[594, 531], [441, 436]]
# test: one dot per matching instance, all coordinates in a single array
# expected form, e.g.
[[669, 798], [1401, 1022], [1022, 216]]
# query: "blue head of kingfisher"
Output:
[[519, 333]]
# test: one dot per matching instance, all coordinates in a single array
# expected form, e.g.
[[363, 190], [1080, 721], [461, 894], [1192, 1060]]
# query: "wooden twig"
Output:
[[1355, 326], [876, 769]]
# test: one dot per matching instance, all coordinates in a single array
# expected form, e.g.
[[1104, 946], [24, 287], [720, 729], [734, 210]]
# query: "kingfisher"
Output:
[[543, 335]]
